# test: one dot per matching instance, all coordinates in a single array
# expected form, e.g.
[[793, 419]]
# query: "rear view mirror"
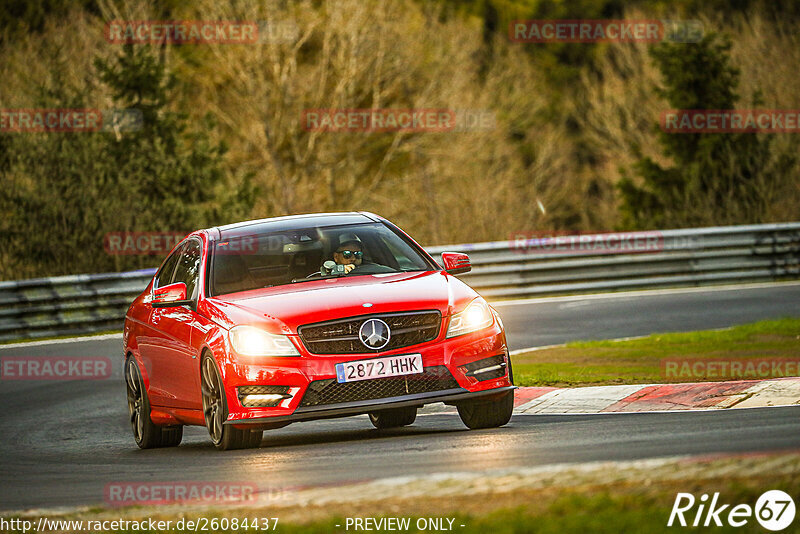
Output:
[[456, 262], [170, 295]]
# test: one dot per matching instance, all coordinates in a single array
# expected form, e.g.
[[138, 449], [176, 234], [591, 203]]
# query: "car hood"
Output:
[[284, 308]]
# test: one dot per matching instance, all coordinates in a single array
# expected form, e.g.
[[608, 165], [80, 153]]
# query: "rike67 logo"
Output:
[[774, 510]]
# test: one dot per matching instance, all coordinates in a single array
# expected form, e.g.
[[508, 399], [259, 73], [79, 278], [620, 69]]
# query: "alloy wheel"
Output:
[[213, 409], [135, 401]]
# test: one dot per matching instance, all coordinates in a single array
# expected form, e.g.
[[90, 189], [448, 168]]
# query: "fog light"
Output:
[[487, 368], [263, 396]]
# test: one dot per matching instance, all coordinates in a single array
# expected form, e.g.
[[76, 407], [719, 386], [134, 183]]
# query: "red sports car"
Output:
[[254, 326]]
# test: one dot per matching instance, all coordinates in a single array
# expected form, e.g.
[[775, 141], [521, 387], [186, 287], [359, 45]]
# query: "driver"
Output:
[[349, 252]]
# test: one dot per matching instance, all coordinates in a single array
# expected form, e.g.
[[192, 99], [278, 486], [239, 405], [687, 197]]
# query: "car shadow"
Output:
[[324, 433]]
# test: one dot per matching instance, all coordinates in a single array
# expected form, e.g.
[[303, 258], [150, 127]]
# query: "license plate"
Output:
[[407, 364]]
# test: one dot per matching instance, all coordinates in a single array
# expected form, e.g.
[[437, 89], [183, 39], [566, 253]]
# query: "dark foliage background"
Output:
[[575, 143]]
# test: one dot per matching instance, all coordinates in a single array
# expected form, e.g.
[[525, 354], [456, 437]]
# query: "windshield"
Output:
[[304, 254]]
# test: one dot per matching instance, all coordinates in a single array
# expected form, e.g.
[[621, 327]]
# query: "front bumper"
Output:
[[453, 360], [346, 409]]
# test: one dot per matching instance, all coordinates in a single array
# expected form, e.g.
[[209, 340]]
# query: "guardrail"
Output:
[[68, 305], [524, 267], [698, 256]]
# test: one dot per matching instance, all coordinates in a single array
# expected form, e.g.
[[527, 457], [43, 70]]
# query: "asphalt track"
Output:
[[540, 322], [64, 441]]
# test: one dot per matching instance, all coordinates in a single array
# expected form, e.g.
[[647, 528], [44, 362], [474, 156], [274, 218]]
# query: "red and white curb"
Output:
[[658, 397]]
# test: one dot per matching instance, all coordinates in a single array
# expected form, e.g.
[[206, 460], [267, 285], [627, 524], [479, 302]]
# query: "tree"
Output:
[[65, 191], [714, 178]]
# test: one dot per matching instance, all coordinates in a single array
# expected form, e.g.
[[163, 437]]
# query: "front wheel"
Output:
[[393, 418], [215, 412], [487, 414], [147, 434]]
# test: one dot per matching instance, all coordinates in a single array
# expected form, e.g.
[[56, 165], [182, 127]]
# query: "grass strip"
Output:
[[640, 361]]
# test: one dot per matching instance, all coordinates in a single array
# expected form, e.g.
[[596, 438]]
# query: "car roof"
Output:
[[291, 221]]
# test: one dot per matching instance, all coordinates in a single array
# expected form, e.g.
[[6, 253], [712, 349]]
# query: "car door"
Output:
[[150, 339], [174, 362]]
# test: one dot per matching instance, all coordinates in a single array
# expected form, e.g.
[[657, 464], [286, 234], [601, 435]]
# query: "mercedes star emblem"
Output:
[[374, 334]]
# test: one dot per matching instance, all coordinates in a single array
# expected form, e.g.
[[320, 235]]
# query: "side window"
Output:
[[164, 276], [188, 269]]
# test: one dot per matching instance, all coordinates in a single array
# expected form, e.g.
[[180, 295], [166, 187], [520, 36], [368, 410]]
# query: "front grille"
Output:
[[329, 391], [474, 369], [341, 336], [243, 391]]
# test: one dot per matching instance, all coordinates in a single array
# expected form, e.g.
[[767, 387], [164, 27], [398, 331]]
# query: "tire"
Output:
[[255, 439], [393, 418], [487, 414], [215, 412], [147, 434]]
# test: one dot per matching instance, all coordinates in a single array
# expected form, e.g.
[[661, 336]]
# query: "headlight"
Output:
[[251, 341], [474, 317]]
